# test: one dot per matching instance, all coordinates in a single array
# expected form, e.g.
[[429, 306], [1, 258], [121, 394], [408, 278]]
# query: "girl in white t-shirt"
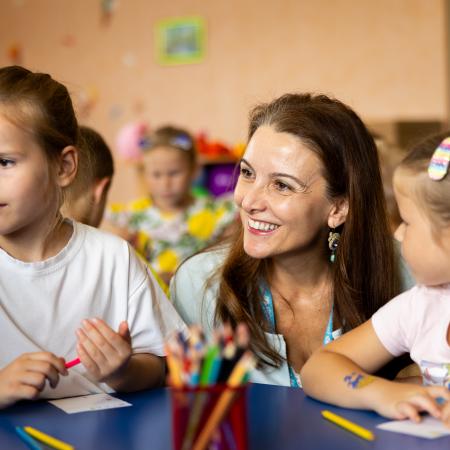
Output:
[[416, 321], [67, 290]]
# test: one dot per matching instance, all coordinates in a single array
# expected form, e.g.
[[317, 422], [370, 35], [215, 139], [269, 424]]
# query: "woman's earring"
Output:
[[333, 243]]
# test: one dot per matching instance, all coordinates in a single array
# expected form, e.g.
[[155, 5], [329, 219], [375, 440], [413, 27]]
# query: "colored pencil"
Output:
[[246, 363], [47, 439], [72, 363], [207, 375], [32, 443], [349, 426], [176, 378]]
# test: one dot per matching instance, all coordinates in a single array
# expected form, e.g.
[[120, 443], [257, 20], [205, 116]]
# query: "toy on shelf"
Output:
[[131, 140], [213, 151]]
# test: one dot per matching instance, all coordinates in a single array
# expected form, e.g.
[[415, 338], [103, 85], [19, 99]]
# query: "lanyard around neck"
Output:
[[270, 315]]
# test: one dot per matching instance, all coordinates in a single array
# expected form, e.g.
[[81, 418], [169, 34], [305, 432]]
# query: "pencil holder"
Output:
[[212, 417]]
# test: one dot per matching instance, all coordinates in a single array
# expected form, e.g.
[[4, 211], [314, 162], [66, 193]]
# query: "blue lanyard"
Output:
[[270, 315]]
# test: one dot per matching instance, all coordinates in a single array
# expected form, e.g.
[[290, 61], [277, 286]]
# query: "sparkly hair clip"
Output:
[[182, 141], [438, 167]]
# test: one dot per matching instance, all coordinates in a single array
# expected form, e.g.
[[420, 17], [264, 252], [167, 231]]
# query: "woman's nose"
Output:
[[253, 198]]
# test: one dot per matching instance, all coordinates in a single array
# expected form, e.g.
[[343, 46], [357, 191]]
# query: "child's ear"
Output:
[[338, 213], [67, 166], [101, 187]]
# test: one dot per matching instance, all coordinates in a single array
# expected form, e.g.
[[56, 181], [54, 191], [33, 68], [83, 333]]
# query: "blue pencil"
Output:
[[31, 442]]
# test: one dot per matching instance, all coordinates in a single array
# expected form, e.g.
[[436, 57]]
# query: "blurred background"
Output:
[[387, 59]]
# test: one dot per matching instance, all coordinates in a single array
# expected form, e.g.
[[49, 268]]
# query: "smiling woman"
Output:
[[314, 255]]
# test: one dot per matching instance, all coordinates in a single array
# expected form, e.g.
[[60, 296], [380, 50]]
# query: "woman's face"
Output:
[[281, 193]]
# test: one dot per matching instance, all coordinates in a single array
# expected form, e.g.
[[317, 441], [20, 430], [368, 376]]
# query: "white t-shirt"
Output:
[[417, 321], [97, 274]]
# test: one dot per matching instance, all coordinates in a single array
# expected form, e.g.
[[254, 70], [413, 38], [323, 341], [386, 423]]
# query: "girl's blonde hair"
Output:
[[173, 137], [433, 197]]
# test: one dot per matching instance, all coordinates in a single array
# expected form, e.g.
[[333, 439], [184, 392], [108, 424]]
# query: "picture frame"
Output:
[[180, 40]]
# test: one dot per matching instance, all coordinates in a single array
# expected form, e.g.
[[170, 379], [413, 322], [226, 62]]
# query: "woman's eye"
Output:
[[282, 186], [6, 162], [246, 173]]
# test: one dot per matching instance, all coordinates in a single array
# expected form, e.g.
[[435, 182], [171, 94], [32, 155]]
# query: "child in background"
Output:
[[417, 321], [85, 200], [66, 289], [170, 224]]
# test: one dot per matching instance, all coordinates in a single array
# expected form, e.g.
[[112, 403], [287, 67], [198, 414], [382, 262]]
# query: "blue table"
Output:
[[279, 418]]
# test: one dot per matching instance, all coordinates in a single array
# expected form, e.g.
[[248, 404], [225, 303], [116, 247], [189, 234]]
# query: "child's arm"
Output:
[[108, 357], [339, 374], [26, 376], [446, 414]]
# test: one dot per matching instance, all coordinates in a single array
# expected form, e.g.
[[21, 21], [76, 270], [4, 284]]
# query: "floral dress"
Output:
[[166, 240]]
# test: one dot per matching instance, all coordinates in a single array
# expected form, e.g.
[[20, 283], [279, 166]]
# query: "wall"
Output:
[[386, 58]]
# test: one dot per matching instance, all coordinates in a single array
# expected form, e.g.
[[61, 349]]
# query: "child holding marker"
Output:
[[415, 322], [66, 290]]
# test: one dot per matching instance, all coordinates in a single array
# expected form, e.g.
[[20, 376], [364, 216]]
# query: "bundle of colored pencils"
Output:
[[196, 366]]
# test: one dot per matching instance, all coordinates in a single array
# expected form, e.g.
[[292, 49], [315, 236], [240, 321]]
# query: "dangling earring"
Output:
[[333, 243]]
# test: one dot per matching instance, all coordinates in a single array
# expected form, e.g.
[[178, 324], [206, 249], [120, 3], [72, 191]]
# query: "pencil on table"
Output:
[[47, 439], [349, 426], [32, 443]]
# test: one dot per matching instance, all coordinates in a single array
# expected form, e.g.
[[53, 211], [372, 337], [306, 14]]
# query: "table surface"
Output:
[[279, 418]]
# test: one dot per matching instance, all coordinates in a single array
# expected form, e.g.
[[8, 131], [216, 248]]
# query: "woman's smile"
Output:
[[260, 227]]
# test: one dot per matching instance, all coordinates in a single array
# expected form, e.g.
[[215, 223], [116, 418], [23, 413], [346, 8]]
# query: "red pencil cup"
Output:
[[212, 417]]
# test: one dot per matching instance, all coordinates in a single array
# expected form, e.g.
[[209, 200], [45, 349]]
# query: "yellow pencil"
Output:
[[48, 440], [349, 426]]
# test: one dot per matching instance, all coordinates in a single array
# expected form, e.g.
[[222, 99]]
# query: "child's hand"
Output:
[[25, 377], [407, 401], [103, 352]]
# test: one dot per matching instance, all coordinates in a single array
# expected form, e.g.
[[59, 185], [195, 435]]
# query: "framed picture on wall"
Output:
[[180, 41]]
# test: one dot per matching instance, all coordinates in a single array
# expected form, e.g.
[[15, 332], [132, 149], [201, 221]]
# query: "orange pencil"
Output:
[[175, 375], [244, 365]]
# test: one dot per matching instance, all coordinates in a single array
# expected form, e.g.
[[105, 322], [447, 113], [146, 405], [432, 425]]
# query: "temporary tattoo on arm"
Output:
[[357, 380]]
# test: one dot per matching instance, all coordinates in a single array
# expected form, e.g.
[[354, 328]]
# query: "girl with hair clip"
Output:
[[416, 321], [170, 224], [66, 290], [308, 262]]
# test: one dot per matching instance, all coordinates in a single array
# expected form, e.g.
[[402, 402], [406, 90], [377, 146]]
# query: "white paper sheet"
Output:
[[94, 402], [429, 427]]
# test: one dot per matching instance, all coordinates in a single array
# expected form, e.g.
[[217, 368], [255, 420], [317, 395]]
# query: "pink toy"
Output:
[[131, 140]]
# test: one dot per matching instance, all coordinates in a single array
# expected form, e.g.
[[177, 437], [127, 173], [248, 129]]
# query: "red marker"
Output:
[[72, 363]]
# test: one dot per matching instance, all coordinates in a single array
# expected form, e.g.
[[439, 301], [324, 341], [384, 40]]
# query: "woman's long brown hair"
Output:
[[365, 273]]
